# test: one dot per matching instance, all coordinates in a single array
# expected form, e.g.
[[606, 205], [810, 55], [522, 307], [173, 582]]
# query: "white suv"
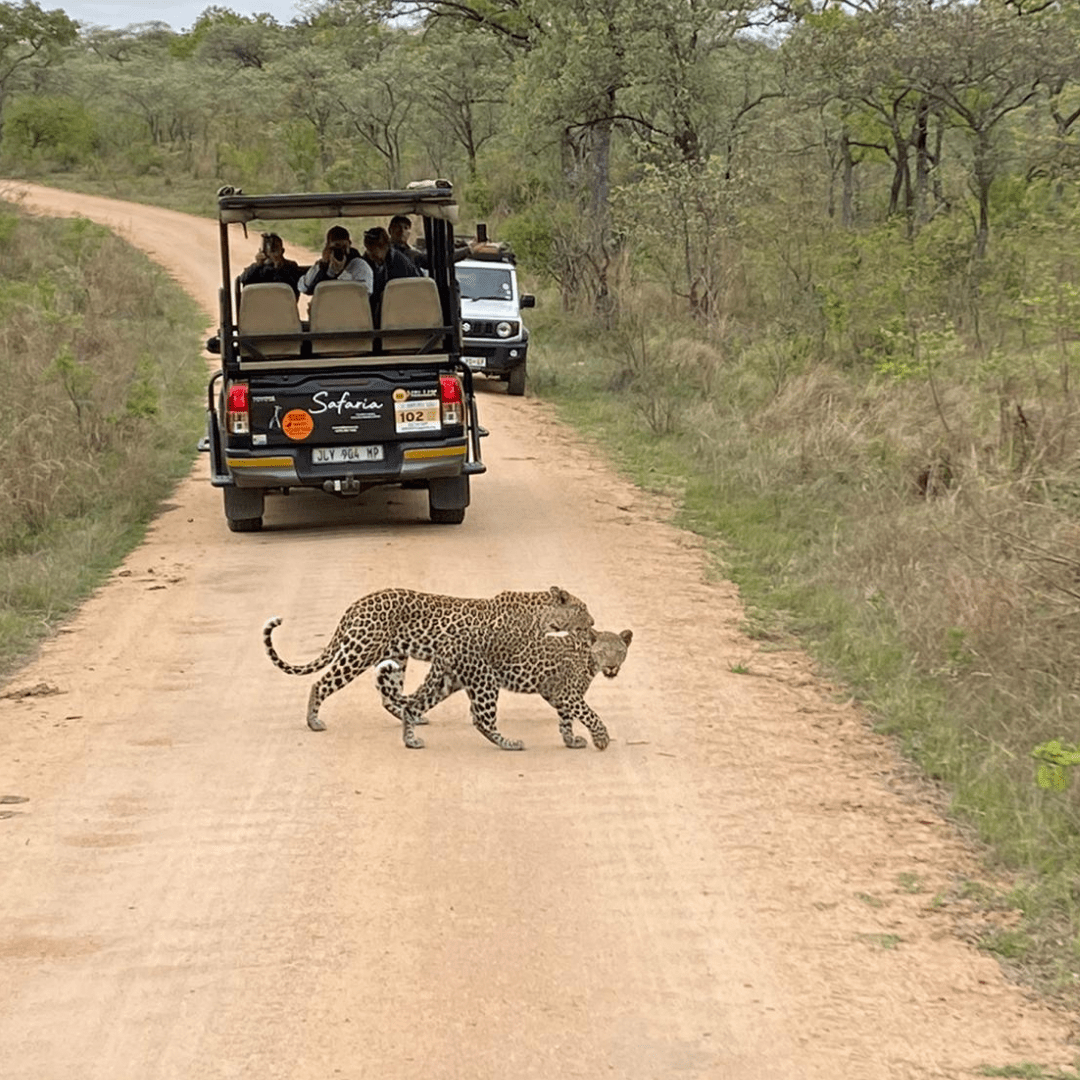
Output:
[[494, 340]]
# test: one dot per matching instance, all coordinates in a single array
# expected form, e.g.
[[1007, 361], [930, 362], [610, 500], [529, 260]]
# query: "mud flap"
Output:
[[244, 504], [449, 493]]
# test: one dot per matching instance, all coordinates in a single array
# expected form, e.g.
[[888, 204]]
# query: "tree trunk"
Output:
[[984, 177], [847, 197], [922, 165]]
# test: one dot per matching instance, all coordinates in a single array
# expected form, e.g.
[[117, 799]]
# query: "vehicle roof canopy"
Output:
[[434, 201]]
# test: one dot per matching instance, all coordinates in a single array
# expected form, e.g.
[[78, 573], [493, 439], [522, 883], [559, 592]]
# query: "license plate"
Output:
[[344, 455], [475, 361]]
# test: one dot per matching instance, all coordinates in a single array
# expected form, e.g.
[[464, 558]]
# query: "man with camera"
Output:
[[271, 265], [340, 261]]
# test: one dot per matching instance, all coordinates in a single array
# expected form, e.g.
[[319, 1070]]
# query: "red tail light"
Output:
[[450, 389], [238, 397], [237, 421], [451, 396]]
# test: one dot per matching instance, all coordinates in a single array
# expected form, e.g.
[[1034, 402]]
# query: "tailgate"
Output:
[[320, 411]]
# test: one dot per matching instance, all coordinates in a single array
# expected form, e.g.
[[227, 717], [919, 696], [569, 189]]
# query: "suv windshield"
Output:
[[484, 283]]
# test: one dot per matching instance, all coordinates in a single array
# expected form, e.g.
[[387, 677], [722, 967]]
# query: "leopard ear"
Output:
[[627, 636], [594, 637], [559, 594]]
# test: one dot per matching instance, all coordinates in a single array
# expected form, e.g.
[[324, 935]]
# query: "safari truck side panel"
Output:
[[333, 402]]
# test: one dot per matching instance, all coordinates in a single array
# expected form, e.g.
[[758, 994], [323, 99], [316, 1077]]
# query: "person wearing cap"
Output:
[[385, 263], [340, 261], [271, 265]]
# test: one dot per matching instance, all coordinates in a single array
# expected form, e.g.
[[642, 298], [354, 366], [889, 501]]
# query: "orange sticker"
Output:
[[297, 424]]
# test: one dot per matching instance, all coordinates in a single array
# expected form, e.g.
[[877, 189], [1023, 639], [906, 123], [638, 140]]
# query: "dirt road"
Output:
[[198, 887]]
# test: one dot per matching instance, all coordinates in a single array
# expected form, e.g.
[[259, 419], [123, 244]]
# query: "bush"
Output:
[[50, 129]]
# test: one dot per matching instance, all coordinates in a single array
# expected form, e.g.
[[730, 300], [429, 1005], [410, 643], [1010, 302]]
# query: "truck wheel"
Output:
[[447, 517], [447, 500], [515, 383], [244, 524], [244, 508]]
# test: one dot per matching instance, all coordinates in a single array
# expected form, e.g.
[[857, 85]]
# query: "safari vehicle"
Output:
[[494, 338], [332, 401]]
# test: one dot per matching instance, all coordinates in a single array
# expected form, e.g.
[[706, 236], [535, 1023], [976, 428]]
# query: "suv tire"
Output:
[[515, 381]]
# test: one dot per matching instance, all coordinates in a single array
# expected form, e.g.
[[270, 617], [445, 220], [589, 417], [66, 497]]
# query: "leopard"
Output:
[[401, 624], [558, 667]]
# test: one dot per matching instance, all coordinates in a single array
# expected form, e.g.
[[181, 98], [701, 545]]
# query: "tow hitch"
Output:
[[348, 486]]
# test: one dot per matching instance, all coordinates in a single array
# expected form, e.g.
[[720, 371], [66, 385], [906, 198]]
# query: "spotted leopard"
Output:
[[560, 668], [397, 624]]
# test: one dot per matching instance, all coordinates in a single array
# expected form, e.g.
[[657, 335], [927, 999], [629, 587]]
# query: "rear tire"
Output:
[[515, 382], [447, 517], [244, 508], [244, 524], [447, 499]]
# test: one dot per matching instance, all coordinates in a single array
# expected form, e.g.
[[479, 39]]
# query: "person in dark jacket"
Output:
[[400, 230], [385, 263], [271, 265], [340, 261]]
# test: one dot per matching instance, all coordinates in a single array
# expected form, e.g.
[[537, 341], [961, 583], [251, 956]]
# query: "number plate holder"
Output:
[[346, 455]]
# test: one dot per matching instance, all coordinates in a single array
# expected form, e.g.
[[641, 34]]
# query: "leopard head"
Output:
[[609, 650], [565, 614]]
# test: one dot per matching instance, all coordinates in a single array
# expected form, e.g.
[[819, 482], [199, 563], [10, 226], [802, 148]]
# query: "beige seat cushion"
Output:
[[269, 308], [340, 305], [408, 303]]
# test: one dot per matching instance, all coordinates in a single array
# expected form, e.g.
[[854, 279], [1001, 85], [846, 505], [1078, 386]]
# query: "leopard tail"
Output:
[[329, 653]]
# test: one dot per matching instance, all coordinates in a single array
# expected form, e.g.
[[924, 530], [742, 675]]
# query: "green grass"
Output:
[[1026, 1070], [936, 612], [100, 358]]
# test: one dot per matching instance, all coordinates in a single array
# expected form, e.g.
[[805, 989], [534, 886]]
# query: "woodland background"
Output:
[[811, 268]]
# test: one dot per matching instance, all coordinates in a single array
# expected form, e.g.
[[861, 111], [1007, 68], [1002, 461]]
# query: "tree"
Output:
[[468, 96], [133, 41], [50, 125], [859, 63], [982, 62], [590, 70], [30, 37], [376, 105], [311, 75], [238, 41]]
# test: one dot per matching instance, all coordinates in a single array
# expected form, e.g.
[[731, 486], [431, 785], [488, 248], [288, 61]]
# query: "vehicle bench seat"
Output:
[[269, 308]]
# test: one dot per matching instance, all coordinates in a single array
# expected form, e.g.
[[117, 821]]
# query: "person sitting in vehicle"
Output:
[[385, 263], [400, 229], [271, 265], [340, 261]]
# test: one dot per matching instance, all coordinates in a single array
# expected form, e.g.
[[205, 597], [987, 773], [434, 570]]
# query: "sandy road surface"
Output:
[[198, 887]]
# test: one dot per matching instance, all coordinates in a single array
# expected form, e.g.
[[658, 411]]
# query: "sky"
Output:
[[180, 15]]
